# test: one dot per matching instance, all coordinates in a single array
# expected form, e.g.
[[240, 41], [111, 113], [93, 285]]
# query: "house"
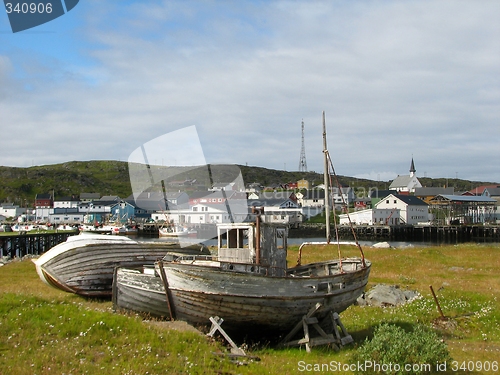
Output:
[[343, 195], [216, 197], [65, 215], [382, 216], [89, 197], [140, 214], [201, 213], [252, 195], [303, 184], [254, 187], [480, 189], [11, 210], [427, 193], [411, 209], [280, 194], [464, 209], [43, 201], [122, 212], [283, 211], [406, 184], [313, 198], [224, 186], [148, 202], [362, 204], [376, 195], [98, 211], [311, 201], [494, 193], [67, 202]]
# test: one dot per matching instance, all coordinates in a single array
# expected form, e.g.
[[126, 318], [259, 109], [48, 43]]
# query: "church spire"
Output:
[[412, 168]]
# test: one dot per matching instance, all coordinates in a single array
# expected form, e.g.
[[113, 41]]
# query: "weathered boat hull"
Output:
[[85, 265], [140, 290], [256, 303]]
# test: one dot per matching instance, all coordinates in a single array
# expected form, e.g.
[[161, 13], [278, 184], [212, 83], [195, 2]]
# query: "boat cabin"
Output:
[[255, 244]]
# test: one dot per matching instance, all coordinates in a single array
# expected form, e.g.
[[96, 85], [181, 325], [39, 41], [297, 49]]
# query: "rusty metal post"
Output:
[[437, 302]]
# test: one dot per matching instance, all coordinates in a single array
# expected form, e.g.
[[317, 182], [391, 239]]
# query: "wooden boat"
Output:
[[248, 283], [140, 290], [252, 289], [84, 264], [264, 297]]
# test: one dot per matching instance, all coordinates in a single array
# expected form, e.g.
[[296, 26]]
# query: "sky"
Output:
[[397, 80]]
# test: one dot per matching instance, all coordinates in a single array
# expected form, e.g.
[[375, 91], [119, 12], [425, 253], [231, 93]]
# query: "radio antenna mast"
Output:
[[303, 162]]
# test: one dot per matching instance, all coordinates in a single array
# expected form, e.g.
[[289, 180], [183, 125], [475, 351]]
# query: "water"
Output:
[[293, 241]]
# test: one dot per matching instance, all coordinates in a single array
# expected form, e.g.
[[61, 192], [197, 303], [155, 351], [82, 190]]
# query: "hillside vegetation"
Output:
[[20, 185]]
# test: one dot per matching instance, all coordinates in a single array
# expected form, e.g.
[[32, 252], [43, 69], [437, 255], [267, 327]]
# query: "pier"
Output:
[[408, 233], [20, 245]]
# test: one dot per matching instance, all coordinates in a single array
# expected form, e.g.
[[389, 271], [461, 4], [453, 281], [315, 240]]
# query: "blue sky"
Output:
[[396, 80]]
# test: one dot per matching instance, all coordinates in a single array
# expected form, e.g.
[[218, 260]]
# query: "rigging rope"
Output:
[[347, 209]]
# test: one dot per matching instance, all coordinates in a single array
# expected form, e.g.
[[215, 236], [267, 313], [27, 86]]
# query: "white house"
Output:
[[411, 209], [312, 198], [283, 211], [345, 194], [10, 210], [66, 202], [382, 216], [406, 183], [235, 211]]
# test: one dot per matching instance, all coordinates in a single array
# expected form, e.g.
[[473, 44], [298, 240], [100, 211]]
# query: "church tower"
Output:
[[412, 168]]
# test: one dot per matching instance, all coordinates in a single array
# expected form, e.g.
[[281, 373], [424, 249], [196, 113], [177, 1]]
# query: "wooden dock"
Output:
[[426, 233], [20, 245], [410, 233]]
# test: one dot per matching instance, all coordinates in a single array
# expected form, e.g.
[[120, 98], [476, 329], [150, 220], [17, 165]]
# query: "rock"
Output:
[[387, 295], [382, 245]]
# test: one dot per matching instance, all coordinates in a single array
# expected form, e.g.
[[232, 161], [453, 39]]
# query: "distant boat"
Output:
[[100, 228], [24, 227], [66, 228], [175, 231], [84, 264], [128, 230]]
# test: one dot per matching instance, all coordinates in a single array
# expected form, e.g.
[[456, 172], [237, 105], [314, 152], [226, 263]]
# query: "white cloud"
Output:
[[395, 79]]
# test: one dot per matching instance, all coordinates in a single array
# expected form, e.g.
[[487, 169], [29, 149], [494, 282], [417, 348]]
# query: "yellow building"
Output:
[[303, 184]]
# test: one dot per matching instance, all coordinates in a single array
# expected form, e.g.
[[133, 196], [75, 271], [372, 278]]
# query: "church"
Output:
[[406, 184]]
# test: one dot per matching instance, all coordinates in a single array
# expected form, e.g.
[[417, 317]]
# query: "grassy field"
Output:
[[46, 331]]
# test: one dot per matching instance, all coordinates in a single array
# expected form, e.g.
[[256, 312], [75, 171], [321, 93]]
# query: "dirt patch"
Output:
[[176, 325]]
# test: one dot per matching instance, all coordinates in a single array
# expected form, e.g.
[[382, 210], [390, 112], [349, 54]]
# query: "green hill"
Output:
[[20, 185]]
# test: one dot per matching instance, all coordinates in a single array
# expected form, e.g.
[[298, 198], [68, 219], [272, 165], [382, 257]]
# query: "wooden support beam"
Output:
[[216, 326], [337, 338]]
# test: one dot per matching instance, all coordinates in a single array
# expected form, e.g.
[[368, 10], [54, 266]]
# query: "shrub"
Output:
[[392, 350]]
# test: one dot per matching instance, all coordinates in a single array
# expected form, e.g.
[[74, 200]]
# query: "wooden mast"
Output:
[[326, 182]]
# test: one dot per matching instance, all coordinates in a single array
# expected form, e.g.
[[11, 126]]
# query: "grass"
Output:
[[46, 331]]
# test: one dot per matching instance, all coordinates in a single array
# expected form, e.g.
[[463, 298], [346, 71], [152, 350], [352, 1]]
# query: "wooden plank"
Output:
[[216, 326]]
